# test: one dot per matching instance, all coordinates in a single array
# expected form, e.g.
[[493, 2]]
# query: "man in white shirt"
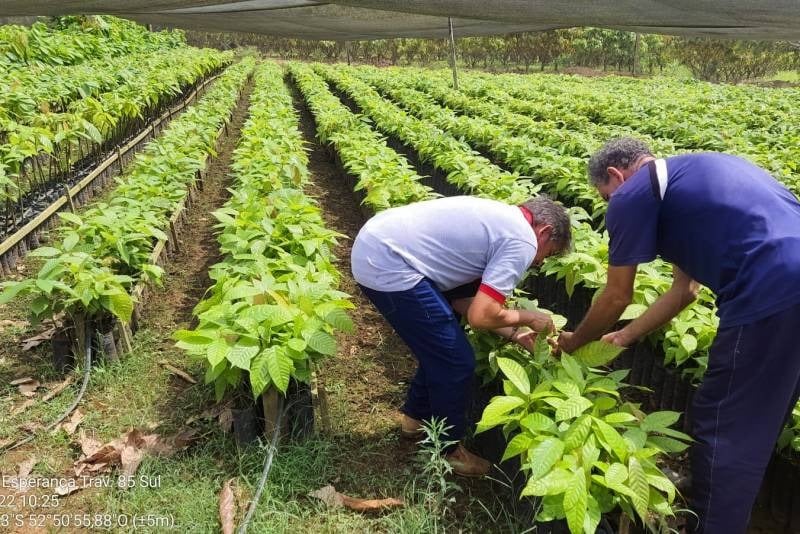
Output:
[[423, 264]]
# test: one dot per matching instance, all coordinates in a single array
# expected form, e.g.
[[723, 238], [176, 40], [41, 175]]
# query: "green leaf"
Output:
[[71, 217], [619, 418], [637, 481], [689, 343], [668, 445], [636, 437], [662, 483], [656, 421], [575, 501], [192, 337], [597, 353], [217, 351], [537, 422], [572, 407], [570, 389], [577, 433], [14, 289], [559, 321], [339, 319], [572, 368], [611, 440], [616, 474], [322, 342], [121, 305], [280, 367], [554, 483], [516, 374], [241, 354], [259, 374], [297, 344], [70, 241], [545, 456], [45, 252], [518, 444], [45, 285], [633, 311], [495, 411], [593, 515]]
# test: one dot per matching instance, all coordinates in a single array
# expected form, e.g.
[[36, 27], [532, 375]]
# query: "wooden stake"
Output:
[[269, 400], [69, 198]]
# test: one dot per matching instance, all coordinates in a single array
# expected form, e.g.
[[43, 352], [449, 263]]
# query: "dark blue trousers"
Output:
[[425, 321], [749, 390]]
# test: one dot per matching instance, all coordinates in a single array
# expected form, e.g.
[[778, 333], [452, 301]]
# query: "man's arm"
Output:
[[462, 305], [605, 311], [485, 313], [682, 293]]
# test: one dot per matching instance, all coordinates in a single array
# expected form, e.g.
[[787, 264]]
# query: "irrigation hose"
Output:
[[273, 447], [87, 368]]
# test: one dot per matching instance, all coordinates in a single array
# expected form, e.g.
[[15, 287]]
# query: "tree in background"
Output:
[[732, 61], [610, 50]]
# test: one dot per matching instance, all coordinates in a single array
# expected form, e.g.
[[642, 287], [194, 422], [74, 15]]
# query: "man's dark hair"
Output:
[[620, 153], [547, 211]]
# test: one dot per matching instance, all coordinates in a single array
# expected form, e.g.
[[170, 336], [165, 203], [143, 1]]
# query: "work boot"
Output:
[[467, 464], [410, 428]]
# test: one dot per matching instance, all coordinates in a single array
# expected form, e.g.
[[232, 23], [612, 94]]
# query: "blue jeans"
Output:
[[752, 383], [424, 320]]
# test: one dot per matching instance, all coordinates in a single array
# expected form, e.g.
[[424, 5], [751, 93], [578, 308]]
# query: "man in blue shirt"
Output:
[[727, 224]]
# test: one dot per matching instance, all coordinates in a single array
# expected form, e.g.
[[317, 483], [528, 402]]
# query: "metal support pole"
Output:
[[636, 40], [453, 53]]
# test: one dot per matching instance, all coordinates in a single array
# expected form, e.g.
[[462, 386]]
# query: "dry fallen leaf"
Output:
[[88, 445], [28, 389], [177, 372], [38, 339], [70, 426], [59, 388], [333, 498], [22, 407], [19, 381], [128, 450], [24, 468], [227, 508]]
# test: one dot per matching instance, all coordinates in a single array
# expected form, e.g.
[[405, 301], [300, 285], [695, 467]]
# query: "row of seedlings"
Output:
[[89, 274], [386, 178], [71, 41], [691, 122], [270, 315], [29, 92], [568, 423], [460, 166], [44, 152]]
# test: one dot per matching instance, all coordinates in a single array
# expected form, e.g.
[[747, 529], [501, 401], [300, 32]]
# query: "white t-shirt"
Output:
[[451, 241]]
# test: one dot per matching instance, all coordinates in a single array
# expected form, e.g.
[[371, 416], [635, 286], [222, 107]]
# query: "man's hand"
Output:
[[566, 342], [542, 322], [526, 340], [618, 338]]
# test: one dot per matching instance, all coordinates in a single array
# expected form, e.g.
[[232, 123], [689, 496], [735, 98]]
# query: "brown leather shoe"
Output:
[[410, 428], [467, 464]]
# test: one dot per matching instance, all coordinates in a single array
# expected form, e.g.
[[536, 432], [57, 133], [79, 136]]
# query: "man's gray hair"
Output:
[[620, 153], [547, 211]]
